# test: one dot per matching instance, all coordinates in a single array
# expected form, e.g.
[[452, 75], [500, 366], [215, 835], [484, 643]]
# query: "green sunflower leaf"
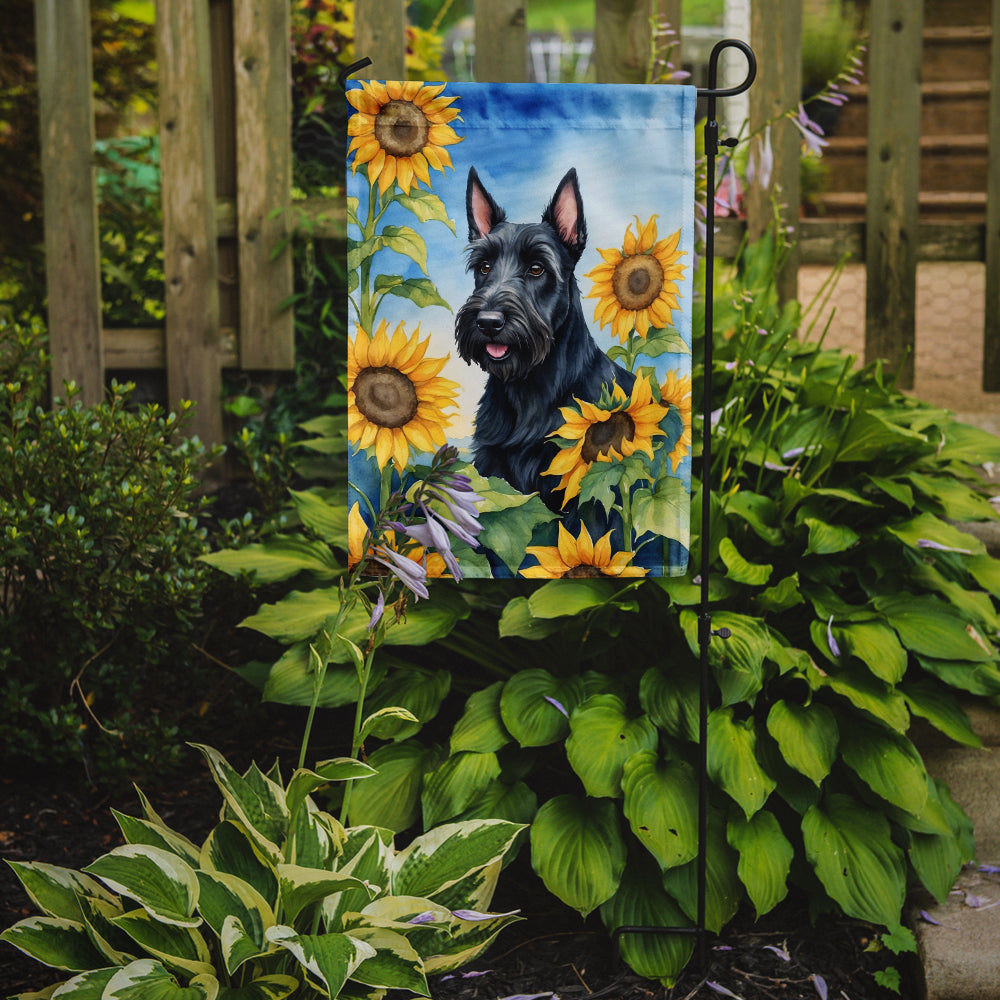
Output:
[[421, 292], [426, 206], [663, 510]]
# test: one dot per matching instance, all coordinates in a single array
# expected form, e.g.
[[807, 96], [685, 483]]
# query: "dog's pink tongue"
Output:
[[496, 351]]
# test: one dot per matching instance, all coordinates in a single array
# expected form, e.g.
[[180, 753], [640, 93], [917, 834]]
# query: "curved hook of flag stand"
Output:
[[705, 631]]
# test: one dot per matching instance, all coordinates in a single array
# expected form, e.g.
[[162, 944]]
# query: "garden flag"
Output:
[[520, 260]]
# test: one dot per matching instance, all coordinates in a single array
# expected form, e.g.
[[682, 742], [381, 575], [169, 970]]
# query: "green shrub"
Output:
[[854, 605], [101, 584], [279, 900]]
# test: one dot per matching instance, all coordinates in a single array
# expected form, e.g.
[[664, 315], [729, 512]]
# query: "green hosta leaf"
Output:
[[279, 558], [888, 763], [56, 891], [723, 889], [602, 738], [517, 620], [225, 897], [850, 847], [765, 858], [180, 948], [641, 901], [578, 851], [528, 711], [292, 680], [941, 709], [54, 941], [301, 887], [732, 760], [391, 798], [956, 500], [671, 700], [866, 692], [440, 858], [147, 979], [141, 831], [261, 809], [928, 528], [395, 964], [417, 690], [456, 784], [275, 987], [515, 803], [559, 598], [986, 572], [481, 728], [738, 569], [330, 959], [869, 436], [426, 206], [163, 884], [387, 722], [783, 595], [827, 539], [937, 859], [661, 799], [976, 678], [931, 628], [876, 646], [230, 849], [738, 661], [760, 512], [807, 736], [326, 519]]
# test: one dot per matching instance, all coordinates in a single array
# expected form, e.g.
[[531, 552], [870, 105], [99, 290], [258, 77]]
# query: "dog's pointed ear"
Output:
[[483, 212], [565, 215]]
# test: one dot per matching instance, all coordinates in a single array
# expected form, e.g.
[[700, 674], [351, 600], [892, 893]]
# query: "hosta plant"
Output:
[[279, 900]]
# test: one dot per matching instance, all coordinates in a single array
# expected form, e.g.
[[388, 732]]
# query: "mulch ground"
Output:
[[551, 953]]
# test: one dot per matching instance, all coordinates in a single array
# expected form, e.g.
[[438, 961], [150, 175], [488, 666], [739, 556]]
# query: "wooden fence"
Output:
[[226, 161]]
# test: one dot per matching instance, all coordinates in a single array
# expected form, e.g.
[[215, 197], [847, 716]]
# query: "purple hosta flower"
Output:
[[780, 952], [465, 975], [990, 869], [427, 917], [558, 705], [811, 132], [719, 988], [409, 572], [531, 996], [475, 915], [927, 543], [927, 918], [834, 648], [761, 163], [377, 612], [729, 195], [820, 984]]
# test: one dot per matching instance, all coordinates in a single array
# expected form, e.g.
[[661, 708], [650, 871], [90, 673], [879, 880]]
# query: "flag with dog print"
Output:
[[520, 260]]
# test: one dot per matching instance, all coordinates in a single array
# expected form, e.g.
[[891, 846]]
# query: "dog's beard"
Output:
[[523, 343]]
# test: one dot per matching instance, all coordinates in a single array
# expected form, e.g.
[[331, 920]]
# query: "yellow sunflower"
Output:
[[676, 391], [580, 556], [606, 431], [399, 130], [395, 396], [357, 531], [637, 285]]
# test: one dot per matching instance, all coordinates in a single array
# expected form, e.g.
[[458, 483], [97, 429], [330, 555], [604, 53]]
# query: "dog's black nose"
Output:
[[490, 322]]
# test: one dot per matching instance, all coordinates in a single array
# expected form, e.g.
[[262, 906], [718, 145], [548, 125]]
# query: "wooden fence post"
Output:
[[776, 35], [380, 34], [501, 41], [893, 183], [190, 251], [991, 332], [622, 40], [72, 255], [261, 57]]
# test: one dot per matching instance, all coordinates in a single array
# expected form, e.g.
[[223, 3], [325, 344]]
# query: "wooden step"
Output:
[[956, 53], [957, 206], [939, 13]]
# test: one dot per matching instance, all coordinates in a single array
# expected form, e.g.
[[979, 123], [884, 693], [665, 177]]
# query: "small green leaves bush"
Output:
[[279, 899], [100, 582]]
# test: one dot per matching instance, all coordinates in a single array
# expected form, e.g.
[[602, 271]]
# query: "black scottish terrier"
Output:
[[524, 326]]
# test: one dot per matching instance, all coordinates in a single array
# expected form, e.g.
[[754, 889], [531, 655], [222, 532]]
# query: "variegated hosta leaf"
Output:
[[230, 849], [141, 831], [481, 727], [395, 964], [177, 947], [329, 959], [578, 851], [54, 941], [367, 853], [86, 986], [149, 980], [274, 987], [475, 891], [807, 736], [315, 838], [765, 858], [300, 887], [602, 737], [158, 880], [256, 801], [732, 760], [441, 857], [225, 897], [116, 947], [642, 902], [661, 805], [850, 847], [456, 784], [467, 941], [304, 782], [56, 891]]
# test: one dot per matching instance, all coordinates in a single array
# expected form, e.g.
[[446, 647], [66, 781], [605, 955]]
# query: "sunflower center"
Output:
[[637, 281], [607, 434], [578, 572], [385, 396], [401, 128]]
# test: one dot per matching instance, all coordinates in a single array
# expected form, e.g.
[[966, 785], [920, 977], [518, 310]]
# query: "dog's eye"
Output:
[[536, 270], [484, 267]]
